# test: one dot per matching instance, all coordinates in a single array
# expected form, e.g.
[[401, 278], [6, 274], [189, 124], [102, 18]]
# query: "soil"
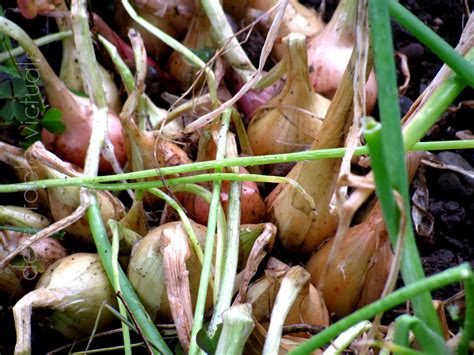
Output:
[[450, 202]]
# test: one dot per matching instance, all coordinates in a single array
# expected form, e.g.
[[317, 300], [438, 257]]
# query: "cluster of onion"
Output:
[[298, 117]]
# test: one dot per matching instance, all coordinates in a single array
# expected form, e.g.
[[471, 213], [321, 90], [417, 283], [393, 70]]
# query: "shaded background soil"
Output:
[[450, 194]]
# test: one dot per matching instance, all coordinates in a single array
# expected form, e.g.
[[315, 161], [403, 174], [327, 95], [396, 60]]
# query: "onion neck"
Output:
[[343, 22], [297, 65]]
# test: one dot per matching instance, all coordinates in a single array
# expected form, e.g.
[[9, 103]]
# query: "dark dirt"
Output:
[[450, 194]]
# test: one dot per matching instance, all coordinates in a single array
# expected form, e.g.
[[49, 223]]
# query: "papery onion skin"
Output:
[[293, 118], [343, 284]]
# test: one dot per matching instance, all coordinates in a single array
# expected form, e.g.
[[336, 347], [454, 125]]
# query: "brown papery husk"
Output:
[[342, 285], [147, 276], [199, 36], [297, 19], [293, 118], [175, 251], [300, 228], [74, 288], [371, 231], [63, 200], [309, 306], [330, 51], [254, 345], [172, 20], [378, 271]]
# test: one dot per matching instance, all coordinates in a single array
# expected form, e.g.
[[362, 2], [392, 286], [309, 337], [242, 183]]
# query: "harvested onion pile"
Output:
[[220, 259]]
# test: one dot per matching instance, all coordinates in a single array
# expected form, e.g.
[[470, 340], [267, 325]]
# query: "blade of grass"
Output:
[[394, 155], [102, 243], [434, 42], [210, 238], [58, 36], [456, 274], [430, 342], [116, 285], [468, 326]]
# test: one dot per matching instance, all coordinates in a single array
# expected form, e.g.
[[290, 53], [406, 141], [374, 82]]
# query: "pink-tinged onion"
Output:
[[329, 53], [253, 99], [125, 50], [72, 144], [252, 206], [76, 112]]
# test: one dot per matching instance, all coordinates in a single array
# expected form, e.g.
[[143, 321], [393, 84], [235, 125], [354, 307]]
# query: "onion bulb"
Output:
[[74, 288], [293, 118], [31, 8], [360, 266], [147, 275], [329, 53], [77, 112]]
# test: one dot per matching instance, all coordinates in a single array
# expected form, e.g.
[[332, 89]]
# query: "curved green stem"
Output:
[[439, 46], [42, 41]]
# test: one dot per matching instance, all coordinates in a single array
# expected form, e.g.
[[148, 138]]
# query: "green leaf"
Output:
[[10, 71], [20, 111], [208, 345], [19, 88], [7, 112], [5, 90], [52, 121]]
